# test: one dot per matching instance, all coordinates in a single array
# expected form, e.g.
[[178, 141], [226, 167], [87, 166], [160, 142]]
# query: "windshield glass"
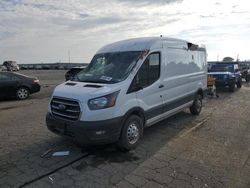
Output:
[[221, 69], [109, 67]]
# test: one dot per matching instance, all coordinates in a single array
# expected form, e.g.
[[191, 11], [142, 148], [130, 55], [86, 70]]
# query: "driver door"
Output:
[[148, 84]]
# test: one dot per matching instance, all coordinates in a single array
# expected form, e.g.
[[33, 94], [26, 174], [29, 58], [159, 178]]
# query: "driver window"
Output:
[[149, 72]]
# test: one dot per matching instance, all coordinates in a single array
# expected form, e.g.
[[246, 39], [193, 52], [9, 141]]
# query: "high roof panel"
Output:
[[136, 44]]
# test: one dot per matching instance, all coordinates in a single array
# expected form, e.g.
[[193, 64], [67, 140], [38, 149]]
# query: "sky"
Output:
[[48, 31]]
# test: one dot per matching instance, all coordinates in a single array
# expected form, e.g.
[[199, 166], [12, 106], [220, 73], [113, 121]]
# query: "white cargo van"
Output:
[[127, 86]]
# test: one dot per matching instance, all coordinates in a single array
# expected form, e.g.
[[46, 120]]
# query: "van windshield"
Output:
[[109, 67]]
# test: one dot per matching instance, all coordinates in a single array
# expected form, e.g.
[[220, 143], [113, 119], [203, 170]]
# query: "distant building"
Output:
[[54, 66]]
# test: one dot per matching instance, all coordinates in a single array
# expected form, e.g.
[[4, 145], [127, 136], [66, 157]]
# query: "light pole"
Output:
[[69, 55]]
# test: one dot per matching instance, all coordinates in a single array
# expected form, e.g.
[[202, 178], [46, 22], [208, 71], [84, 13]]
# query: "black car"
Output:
[[17, 85], [72, 72]]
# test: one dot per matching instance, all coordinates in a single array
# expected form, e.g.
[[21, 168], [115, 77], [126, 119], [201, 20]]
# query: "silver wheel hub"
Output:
[[132, 133], [198, 105], [22, 93]]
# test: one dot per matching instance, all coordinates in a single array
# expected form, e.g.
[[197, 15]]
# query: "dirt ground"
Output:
[[210, 150]]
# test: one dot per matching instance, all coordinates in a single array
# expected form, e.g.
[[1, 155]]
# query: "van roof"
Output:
[[138, 44]]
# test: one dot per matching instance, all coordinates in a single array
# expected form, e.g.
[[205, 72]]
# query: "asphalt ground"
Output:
[[210, 150]]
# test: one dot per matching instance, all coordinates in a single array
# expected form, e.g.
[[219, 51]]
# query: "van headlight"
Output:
[[106, 101]]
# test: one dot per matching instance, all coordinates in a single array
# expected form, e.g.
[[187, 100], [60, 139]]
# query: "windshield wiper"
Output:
[[105, 81], [97, 81]]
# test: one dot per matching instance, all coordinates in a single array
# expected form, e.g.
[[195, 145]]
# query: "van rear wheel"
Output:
[[195, 109], [131, 134]]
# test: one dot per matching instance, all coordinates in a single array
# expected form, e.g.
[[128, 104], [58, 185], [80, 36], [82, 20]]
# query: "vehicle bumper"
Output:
[[223, 83], [35, 88], [84, 132]]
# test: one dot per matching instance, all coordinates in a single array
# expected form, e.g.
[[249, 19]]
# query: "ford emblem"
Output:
[[62, 107]]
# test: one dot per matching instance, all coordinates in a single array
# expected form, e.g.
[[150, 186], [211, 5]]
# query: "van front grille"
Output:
[[65, 108]]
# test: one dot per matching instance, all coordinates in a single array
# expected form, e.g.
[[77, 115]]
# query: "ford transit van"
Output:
[[128, 86]]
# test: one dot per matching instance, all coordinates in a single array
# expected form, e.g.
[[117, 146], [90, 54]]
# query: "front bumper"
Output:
[[84, 132], [223, 83], [35, 88]]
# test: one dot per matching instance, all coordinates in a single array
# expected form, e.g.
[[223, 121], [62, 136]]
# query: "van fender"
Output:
[[135, 111]]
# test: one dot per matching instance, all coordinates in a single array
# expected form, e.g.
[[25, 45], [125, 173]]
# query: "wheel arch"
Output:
[[200, 92], [23, 86], [135, 111]]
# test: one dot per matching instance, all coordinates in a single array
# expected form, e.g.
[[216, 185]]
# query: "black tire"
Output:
[[195, 109], [133, 128], [232, 86], [22, 93]]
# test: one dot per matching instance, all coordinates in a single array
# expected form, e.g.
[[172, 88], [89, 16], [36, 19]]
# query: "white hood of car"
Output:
[[84, 91]]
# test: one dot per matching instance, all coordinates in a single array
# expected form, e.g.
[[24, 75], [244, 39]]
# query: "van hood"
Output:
[[83, 91]]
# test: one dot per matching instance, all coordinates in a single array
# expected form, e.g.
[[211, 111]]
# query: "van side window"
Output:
[[148, 73]]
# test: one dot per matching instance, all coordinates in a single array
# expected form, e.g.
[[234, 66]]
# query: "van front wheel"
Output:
[[195, 109], [132, 133]]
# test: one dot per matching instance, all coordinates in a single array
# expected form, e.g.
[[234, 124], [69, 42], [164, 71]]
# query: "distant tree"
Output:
[[228, 59]]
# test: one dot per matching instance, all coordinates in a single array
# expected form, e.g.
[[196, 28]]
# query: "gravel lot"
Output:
[[210, 150]]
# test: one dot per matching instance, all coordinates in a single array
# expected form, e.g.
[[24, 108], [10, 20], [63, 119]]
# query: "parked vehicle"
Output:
[[226, 75], [3, 68], [30, 67], [11, 65], [245, 73], [70, 74], [46, 67], [23, 67], [129, 85], [17, 85], [38, 67]]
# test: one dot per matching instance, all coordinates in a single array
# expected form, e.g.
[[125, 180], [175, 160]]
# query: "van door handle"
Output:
[[161, 86]]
